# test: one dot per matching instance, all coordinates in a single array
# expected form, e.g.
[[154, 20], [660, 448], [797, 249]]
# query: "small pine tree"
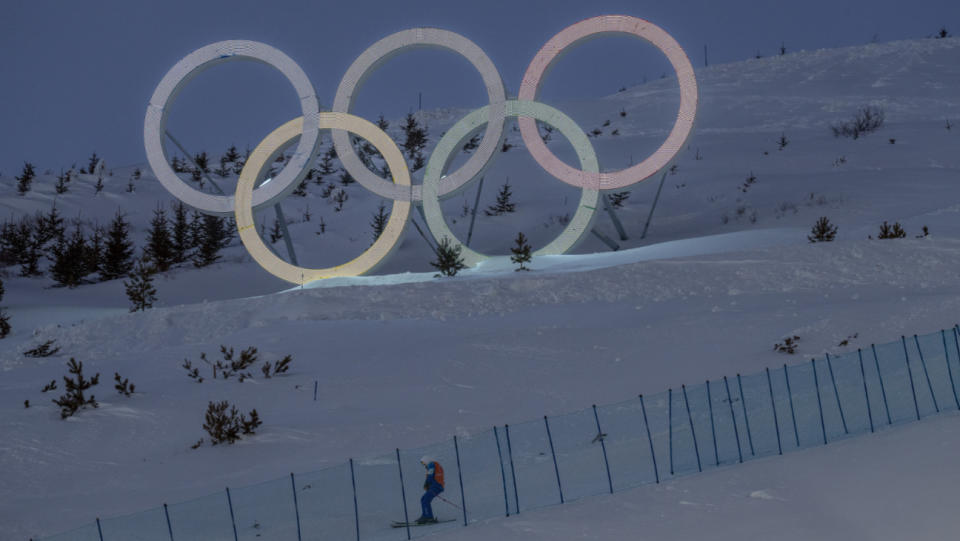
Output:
[[346, 178], [521, 252], [159, 250], [891, 232], [340, 198], [449, 261], [202, 161], [326, 163], [140, 288], [415, 136], [504, 205], [214, 236], [93, 257], [50, 227], [379, 222], [29, 247], [180, 238], [232, 155], [782, 142], [74, 399], [4, 318], [61, 186], [382, 122], [98, 187], [617, 199], [26, 178], [69, 267], [822, 231], [301, 189], [93, 161], [117, 258], [276, 232]]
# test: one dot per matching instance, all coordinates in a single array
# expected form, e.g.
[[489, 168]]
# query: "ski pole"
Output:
[[441, 498]]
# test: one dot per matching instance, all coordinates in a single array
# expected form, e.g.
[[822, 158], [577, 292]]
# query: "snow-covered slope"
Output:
[[403, 359]]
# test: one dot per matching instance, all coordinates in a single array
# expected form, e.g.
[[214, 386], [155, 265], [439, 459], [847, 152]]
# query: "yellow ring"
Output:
[[260, 160]]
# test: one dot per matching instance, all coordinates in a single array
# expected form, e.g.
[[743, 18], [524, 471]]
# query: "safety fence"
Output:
[[602, 449]]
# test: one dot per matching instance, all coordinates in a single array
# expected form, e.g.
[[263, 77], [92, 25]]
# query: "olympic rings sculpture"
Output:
[[437, 184]]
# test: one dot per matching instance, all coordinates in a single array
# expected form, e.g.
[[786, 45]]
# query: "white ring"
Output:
[[582, 220], [155, 124], [382, 51]]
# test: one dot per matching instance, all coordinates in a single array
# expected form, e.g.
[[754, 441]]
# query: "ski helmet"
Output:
[[426, 459]]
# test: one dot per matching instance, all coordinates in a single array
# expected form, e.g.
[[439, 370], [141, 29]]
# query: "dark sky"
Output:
[[75, 77]]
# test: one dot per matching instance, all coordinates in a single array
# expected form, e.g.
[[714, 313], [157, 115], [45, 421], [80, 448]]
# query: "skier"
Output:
[[432, 486]]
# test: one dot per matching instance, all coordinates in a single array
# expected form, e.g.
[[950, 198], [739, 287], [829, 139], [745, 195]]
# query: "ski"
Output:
[[396, 524]]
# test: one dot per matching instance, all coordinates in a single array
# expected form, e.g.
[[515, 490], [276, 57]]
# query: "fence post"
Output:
[[670, 425], [513, 472], [883, 389], [713, 429], [913, 389], [554, 454], [866, 394], [356, 508], [603, 446], [403, 494], [99, 531], [233, 520], [926, 374], [463, 499], [166, 513], [503, 474], [693, 433], [816, 385], [746, 420], [773, 404], [836, 393], [653, 456], [296, 506], [733, 418], [793, 416], [316, 386], [946, 355]]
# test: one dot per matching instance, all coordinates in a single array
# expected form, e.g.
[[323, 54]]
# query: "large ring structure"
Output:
[[383, 50], [447, 149], [155, 124], [260, 160], [570, 36]]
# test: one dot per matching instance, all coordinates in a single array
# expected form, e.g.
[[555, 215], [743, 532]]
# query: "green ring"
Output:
[[451, 142]]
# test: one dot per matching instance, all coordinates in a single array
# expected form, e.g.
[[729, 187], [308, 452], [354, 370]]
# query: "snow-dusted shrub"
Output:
[[45, 349], [894, 231], [868, 119], [789, 345], [122, 385], [231, 365], [224, 422]]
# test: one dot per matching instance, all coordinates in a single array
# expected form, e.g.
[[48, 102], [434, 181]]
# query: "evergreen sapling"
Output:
[[521, 252]]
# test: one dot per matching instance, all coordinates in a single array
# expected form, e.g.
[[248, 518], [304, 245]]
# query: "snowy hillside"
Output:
[[402, 359]]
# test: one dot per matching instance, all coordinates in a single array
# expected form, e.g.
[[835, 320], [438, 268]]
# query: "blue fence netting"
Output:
[[602, 449]]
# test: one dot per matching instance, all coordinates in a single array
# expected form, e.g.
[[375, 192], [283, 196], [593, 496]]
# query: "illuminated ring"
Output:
[[383, 50], [260, 160], [448, 146], [611, 24], [155, 124]]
